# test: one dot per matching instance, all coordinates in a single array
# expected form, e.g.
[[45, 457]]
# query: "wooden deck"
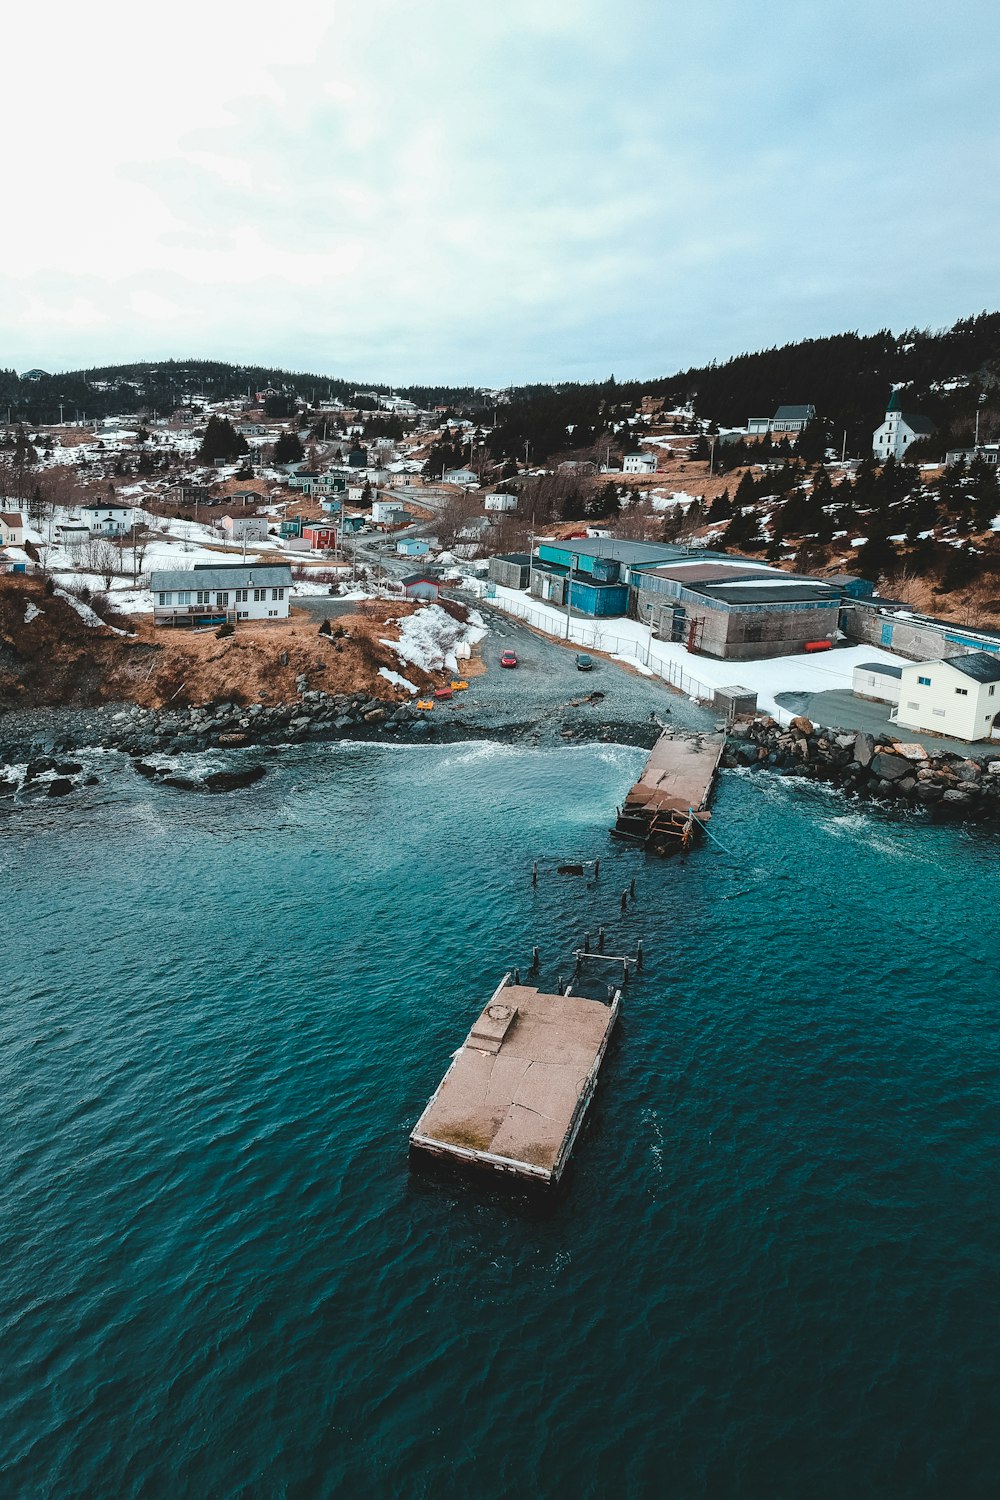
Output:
[[517, 1090], [676, 783]]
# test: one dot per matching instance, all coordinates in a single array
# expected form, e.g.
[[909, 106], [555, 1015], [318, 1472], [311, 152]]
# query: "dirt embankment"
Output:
[[50, 656]]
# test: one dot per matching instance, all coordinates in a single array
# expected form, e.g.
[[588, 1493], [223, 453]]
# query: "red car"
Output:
[[508, 659]]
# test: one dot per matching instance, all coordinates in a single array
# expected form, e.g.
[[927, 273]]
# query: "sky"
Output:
[[525, 190]]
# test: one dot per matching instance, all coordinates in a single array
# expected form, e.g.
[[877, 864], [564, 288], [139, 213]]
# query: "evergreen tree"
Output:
[[288, 449], [877, 557], [221, 440]]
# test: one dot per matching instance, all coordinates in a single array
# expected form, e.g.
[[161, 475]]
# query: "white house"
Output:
[[72, 535], [245, 528], [388, 512], [959, 696], [465, 477], [11, 528], [499, 501], [108, 519], [230, 591], [878, 681], [899, 430], [639, 463]]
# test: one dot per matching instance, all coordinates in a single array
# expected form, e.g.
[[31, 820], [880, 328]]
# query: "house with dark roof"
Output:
[[900, 428], [210, 593], [421, 586], [958, 696], [877, 681], [787, 419]]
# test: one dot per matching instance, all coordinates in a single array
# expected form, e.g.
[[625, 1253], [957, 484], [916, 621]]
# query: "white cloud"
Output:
[[443, 191]]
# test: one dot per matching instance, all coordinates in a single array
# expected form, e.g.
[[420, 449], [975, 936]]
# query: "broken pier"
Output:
[[515, 1095]]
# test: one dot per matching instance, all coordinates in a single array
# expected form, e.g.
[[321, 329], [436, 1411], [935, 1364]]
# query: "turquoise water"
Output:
[[772, 1270]]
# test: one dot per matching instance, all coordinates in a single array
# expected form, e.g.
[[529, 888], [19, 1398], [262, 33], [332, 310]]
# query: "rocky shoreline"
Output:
[[874, 769], [152, 738]]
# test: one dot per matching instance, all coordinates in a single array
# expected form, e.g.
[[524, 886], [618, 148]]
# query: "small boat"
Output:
[[442, 692]]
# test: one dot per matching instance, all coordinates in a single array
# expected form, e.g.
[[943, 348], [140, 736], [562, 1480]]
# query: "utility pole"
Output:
[[843, 449], [573, 560]]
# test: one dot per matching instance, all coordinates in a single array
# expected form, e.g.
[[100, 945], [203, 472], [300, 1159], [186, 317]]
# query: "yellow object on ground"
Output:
[[459, 687], [425, 703]]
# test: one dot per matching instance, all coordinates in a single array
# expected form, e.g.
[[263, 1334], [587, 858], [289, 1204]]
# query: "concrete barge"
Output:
[[670, 799], [515, 1095]]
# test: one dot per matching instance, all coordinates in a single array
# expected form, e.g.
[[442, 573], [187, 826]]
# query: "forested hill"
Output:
[[846, 376]]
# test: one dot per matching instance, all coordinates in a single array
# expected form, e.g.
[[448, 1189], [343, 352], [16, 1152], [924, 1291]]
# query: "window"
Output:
[[184, 597], [913, 705], [222, 598], [938, 713], [924, 681], [272, 612], [992, 690], [241, 596], [163, 598], [204, 597], [277, 593], [962, 692], [242, 614], [259, 595]]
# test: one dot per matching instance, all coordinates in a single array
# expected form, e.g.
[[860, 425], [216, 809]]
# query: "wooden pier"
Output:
[[664, 808], [515, 1095]]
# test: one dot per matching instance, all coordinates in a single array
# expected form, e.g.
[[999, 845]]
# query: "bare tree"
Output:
[[106, 559], [454, 516], [140, 542]]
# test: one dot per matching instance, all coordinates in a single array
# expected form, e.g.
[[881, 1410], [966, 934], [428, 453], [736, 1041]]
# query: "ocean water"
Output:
[[772, 1270]]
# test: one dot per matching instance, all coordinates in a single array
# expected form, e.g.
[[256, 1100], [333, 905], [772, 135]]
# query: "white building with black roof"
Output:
[[958, 696]]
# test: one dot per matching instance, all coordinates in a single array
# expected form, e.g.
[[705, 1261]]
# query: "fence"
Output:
[[598, 637]]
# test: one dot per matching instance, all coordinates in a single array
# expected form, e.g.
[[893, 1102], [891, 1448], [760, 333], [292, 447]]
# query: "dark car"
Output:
[[508, 659], [584, 663]]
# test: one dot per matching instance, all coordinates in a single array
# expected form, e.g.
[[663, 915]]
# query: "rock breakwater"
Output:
[[874, 768]]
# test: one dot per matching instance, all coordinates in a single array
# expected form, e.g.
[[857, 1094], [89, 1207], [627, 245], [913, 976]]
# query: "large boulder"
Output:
[[802, 724], [864, 749], [231, 781], [889, 767]]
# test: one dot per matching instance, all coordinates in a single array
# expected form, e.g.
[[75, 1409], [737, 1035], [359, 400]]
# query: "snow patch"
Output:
[[87, 615], [31, 612], [397, 680], [431, 640]]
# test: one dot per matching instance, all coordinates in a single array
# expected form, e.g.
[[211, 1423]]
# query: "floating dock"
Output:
[[670, 799], [518, 1088]]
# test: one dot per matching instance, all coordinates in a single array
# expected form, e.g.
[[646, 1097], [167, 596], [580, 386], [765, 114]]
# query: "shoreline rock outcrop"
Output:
[[878, 769]]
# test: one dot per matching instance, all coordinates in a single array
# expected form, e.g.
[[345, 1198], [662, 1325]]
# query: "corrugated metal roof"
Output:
[[226, 576], [793, 413]]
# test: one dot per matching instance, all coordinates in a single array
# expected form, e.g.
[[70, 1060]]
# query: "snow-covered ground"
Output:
[[630, 641], [433, 641]]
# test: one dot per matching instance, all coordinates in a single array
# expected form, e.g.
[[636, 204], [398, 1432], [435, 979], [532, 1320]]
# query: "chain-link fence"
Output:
[[595, 636]]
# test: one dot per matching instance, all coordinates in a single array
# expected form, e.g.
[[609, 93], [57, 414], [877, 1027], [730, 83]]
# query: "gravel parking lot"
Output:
[[545, 683]]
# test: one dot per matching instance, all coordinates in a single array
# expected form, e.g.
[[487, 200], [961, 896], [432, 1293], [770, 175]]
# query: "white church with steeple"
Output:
[[899, 430]]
